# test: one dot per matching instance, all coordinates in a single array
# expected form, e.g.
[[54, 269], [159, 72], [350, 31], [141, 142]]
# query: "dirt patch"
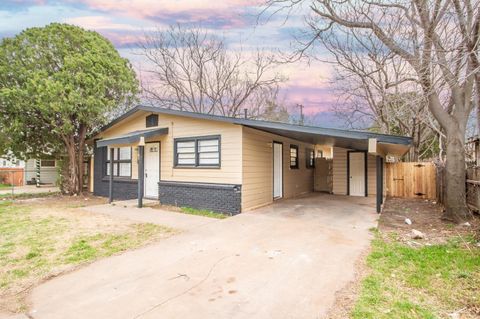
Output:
[[425, 216], [345, 298]]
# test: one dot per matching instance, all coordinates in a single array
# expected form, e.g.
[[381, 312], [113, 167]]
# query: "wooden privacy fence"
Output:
[[411, 180], [11, 176], [473, 188]]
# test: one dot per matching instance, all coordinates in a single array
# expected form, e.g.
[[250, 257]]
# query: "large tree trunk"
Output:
[[80, 155], [72, 170], [455, 198]]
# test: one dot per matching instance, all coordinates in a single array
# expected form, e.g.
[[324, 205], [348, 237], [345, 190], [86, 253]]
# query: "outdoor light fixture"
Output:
[[142, 141]]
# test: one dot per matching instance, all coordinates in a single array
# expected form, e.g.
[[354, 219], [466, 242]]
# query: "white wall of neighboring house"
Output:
[[8, 161], [48, 173]]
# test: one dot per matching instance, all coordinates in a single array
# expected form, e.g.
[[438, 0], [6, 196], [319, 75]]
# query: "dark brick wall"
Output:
[[122, 188], [222, 198]]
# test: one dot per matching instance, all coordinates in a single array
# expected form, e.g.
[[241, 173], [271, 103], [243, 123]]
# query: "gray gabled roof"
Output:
[[311, 134], [132, 137]]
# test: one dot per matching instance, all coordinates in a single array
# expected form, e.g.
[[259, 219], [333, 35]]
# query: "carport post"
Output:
[[110, 181], [379, 183], [141, 150]]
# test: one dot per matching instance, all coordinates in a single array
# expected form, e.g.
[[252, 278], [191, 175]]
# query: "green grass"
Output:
[[33, 245], [5, 186], [427, 282], [202, 212]]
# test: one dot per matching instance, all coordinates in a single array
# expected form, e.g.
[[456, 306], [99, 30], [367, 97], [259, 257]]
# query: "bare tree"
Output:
[[191, 69], [376, 90], [266, 104], [439, 39]]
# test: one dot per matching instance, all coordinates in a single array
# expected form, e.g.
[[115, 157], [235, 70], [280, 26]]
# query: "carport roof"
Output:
[[311, 134]]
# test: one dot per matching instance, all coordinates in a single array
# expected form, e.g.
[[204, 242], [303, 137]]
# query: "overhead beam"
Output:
[[372, 146]]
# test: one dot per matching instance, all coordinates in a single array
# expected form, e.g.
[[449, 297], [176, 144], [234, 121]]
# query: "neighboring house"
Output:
[[48, 171], [9, 161], [28, 170], [11, 170], [232, 164]]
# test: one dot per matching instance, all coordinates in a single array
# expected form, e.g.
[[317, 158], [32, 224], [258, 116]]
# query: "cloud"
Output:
[[222, 14], [100, 23]]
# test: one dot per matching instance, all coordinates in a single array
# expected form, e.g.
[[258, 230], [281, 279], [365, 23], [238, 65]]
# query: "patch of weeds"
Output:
[[19, 273], [426, 282], [87, 248], [32, 255], [80, 251], [203, 212]]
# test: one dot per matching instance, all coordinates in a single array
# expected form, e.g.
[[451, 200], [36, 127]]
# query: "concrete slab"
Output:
[[32, 189], [286, 260]]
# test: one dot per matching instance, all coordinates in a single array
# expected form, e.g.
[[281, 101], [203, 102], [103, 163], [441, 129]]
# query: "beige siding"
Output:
[[257, 188], [179, 126], [339, 171]]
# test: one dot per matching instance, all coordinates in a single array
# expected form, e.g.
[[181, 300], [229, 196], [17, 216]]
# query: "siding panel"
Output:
[[339, 171], [257, 171]]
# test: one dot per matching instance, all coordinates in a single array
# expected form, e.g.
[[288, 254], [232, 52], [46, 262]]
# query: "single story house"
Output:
[[229, 164]]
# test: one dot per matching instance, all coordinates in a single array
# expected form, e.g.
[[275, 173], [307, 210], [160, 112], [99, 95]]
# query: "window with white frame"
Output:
[[293, 156], [197, 152], [310, 158], [122, 162]]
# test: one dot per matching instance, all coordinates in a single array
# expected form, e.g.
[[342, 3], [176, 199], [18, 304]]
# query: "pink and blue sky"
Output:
[[125, 21]]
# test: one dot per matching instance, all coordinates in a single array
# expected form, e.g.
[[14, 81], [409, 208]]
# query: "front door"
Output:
[[277, 170], [152, 169], [357, 174]]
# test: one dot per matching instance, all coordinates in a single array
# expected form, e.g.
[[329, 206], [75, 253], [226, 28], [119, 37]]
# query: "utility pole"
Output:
[[301, 113]]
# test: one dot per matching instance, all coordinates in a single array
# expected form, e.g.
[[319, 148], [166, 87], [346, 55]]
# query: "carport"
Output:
[[358, 157]]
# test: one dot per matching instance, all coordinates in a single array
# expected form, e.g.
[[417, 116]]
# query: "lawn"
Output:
[[436, 277], [427, 282], [5, 186], [202, 212], [45, 237]]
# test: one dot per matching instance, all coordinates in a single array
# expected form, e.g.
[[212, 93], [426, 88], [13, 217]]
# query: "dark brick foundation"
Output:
[[222, 198], [122, 188]]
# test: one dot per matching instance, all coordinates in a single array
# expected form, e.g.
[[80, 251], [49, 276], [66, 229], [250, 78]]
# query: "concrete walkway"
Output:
[[31, 189], [286, 260]]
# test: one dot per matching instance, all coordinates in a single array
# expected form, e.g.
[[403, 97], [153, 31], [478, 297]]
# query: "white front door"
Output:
[[357, 173], [152, 169], [277, 170]]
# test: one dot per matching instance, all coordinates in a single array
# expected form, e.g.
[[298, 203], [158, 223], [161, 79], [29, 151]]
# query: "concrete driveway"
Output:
[[286, 260]]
